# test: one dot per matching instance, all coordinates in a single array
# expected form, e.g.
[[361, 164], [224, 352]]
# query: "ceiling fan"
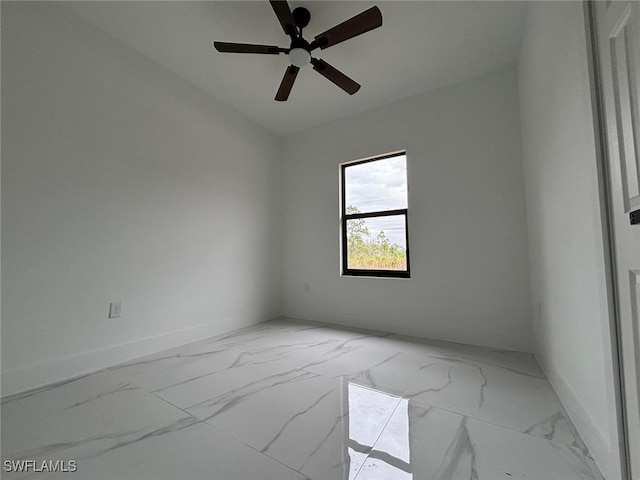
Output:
[[300, 50]]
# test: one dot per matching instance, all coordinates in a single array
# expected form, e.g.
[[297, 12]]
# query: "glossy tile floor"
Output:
[[294, 400]]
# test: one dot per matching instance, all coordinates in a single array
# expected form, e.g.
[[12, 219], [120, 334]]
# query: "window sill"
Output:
[[376, 274]]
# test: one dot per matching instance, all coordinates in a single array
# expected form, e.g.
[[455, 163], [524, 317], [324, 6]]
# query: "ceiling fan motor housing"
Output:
[[301, 16], [300, 43]]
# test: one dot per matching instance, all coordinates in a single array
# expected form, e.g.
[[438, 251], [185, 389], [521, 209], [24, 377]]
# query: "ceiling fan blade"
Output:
[[282, 11], [336, 76], [361, 23], [227, 47], [287, 83]]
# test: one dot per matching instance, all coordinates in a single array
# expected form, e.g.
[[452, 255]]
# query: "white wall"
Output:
[[569, 304], [122, 182], [468, 239]]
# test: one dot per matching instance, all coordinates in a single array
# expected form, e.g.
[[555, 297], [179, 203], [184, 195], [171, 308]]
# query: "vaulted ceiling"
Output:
[[422, 45]]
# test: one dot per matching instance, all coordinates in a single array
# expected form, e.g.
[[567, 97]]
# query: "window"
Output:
[[375, 238]]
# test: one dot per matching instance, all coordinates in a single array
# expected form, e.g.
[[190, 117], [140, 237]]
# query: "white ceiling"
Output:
[[421, 45]]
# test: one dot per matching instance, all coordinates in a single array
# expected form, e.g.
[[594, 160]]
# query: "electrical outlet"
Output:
[[115, 309]]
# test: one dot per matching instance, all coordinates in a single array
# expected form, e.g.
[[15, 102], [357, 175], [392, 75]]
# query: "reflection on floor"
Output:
[[293, 400]]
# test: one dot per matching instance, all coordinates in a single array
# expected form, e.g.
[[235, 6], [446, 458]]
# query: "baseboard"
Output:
[[17, 381], [595, 439], [432, 330]]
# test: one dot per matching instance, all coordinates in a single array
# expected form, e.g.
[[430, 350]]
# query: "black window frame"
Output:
[[345, 217]]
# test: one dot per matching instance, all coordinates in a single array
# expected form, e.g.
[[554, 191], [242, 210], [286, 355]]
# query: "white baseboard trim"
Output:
[[18, 381], [595, 439]]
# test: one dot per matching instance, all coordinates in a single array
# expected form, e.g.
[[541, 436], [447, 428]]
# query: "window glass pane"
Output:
[[377, 185], [378, 243]]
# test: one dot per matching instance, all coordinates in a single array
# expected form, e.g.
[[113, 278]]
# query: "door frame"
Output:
[[606, 209]]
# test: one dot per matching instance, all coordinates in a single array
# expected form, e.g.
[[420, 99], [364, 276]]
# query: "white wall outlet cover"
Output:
[[115, 309]]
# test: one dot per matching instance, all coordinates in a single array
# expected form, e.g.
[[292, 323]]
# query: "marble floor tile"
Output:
[[206, 395], [198, 451], [426, 443], [495, 394], [113, 429], [297, 400], [380, 363], [179, 365], [516, 361], [259, 368], [282, 332], [36, 405], [310, 423], [304, 353], [84, 419]]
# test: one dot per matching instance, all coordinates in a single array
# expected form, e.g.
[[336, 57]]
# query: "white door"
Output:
[[618, 35]]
